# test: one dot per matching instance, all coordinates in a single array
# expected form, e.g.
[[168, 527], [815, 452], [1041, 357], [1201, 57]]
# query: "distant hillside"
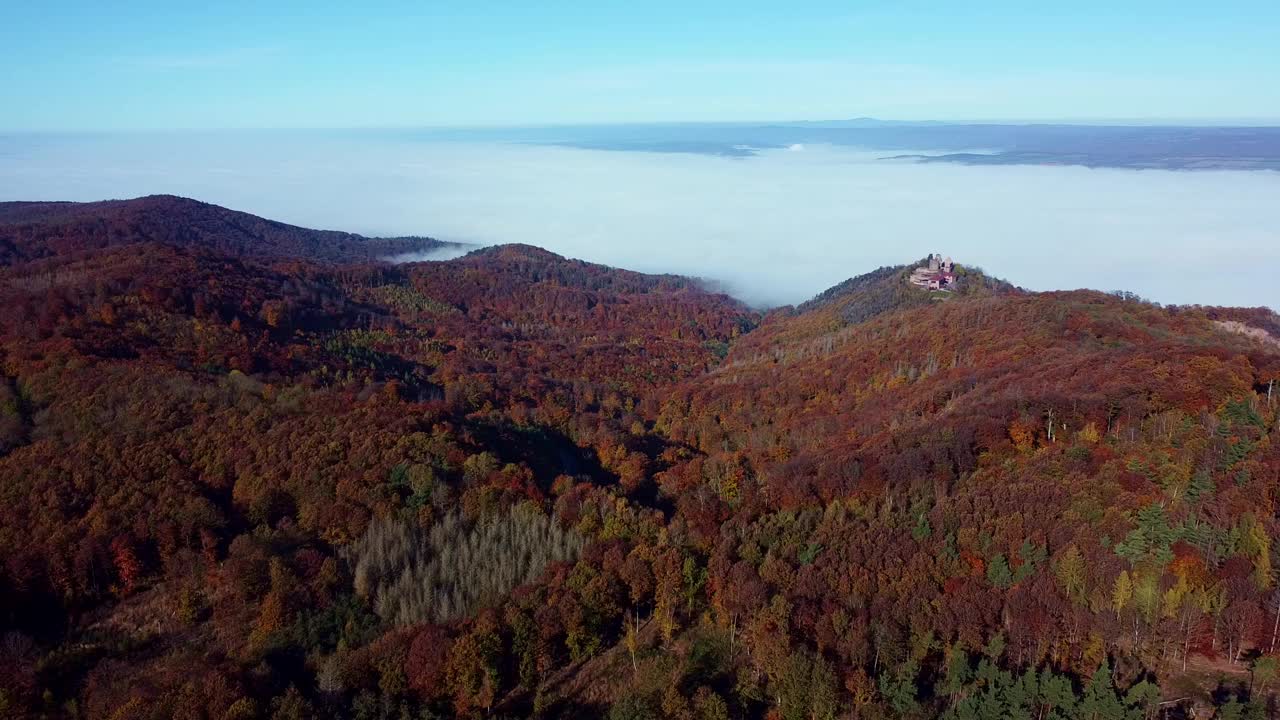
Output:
[[865, 297], [33, 230], [546, 266], [861, 298], [1118, 146]]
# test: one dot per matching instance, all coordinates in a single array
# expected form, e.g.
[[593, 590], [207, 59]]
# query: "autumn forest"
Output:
[[250, 470]]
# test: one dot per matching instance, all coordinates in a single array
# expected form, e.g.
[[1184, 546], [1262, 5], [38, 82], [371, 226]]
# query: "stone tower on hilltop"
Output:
[[937, 274]]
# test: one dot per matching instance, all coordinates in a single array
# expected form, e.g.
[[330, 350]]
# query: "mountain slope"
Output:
[[33, 230], [236, 481], [886, 289]]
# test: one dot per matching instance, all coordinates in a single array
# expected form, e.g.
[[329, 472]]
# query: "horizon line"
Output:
[[1188, 122]]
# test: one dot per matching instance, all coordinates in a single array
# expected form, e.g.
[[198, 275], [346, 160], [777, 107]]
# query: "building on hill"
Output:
[[937, 274]]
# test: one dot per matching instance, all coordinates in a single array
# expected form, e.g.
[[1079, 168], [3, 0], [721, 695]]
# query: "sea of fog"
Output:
[[771, 228]]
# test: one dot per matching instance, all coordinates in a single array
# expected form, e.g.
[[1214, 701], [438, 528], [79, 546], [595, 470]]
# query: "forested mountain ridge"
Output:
[[33, 230], [886, 289], [242, 483]]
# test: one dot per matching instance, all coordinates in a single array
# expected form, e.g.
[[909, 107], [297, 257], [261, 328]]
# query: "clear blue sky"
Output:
[[147, 65]]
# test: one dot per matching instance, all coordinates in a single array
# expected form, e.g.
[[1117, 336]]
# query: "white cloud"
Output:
[[441, 254], [217, 59], [776, 228]]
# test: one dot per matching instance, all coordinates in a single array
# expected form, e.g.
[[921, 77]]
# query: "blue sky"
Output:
[[142, 65]]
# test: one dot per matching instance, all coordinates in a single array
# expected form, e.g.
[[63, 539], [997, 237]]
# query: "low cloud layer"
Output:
[[440, 254], [775, 228]]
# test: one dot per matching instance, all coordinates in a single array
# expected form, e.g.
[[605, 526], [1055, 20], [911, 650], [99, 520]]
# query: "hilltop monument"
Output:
[[938, 273]]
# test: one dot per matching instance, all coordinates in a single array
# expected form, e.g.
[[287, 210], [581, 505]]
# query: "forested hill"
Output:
[[886, 289], [32, 230], [245, 472]]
